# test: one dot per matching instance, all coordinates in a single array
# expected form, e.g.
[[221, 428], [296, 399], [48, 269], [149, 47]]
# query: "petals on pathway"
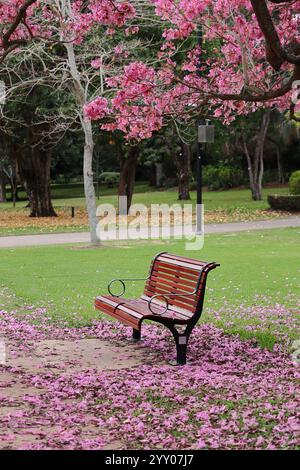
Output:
[[89, 388]]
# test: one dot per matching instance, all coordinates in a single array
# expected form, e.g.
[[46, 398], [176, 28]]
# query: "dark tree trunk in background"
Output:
[[127, 174], [279, 165], [14, 188], [13, 181], [33, 161], [2, 185], [256, 161], [34, 172], [8, 173], [152, 175], [183, 163]]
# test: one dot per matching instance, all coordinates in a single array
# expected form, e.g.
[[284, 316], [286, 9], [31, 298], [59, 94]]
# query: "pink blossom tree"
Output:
[[74, 46], [252, 61], [251, 49]]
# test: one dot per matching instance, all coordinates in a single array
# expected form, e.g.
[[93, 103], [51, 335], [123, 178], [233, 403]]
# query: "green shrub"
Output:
[[230, 177], [294, 182], [110, 178], [210, 177], [170, 182], [272, 176], [285, 202], [61, 179], [223, 177]]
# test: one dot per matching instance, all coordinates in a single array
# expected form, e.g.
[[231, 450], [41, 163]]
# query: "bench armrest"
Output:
[[123, 281], [165, 296]]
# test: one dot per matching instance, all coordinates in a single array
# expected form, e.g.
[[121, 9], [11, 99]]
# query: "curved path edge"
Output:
[[84, 237]]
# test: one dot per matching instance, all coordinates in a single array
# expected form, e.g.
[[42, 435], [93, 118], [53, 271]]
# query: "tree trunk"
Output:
[[11, 177], [13, 180], [279, 166], [14, 189], [88, 177], [256, 191], [34, 171], [127, 175], [152, 175], [261, 147], [183, 162], [2, 186], [256, 163]]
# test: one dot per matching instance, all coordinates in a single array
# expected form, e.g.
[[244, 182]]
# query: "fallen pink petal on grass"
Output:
[[231, 394]]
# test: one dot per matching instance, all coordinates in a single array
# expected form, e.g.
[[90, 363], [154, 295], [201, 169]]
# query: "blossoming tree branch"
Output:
[[252, 61], [250, 52], [61, 44], [256, 58]]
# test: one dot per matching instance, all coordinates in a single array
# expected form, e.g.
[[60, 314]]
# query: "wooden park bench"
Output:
[[173, 296]]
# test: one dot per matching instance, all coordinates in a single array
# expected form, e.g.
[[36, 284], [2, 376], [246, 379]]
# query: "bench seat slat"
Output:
[[183, 313], [143, 309], [177, 303], [121, 316], [131, 312]]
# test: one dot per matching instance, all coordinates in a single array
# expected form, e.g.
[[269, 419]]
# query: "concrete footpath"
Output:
[[84, 237]]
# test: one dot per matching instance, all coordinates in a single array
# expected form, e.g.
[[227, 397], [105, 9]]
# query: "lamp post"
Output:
[[205, 134]]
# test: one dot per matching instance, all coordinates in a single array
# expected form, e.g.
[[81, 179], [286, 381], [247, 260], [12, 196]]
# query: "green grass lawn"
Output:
[[257, 268], [229, 206], [72, 195]]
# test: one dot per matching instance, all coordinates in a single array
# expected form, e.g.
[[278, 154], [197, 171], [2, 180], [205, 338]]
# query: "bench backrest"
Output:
[[179, 275]]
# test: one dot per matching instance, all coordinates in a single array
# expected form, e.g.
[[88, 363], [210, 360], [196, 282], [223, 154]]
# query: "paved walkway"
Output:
[[23, 404], [84, 237]]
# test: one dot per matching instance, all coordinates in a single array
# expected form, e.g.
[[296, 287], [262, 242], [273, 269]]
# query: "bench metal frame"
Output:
[[181, 339]]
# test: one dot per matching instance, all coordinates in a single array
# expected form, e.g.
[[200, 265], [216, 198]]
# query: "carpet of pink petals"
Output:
[[231, 394]]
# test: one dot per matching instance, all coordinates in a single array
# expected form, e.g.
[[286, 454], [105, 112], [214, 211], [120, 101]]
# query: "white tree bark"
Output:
[[89, 189], [256, 163]]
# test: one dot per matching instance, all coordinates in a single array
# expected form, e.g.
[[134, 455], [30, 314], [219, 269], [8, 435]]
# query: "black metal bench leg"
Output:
[[181, 341], [136, 335], [181, 347]]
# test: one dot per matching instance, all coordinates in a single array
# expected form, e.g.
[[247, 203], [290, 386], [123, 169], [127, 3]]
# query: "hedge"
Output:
[[294, 182], [110, 178], [289, 202], [223, 177]]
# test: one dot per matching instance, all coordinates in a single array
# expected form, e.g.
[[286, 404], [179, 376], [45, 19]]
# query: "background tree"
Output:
[[3, 181], [81, 54], [32, 129], [255, 157]]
